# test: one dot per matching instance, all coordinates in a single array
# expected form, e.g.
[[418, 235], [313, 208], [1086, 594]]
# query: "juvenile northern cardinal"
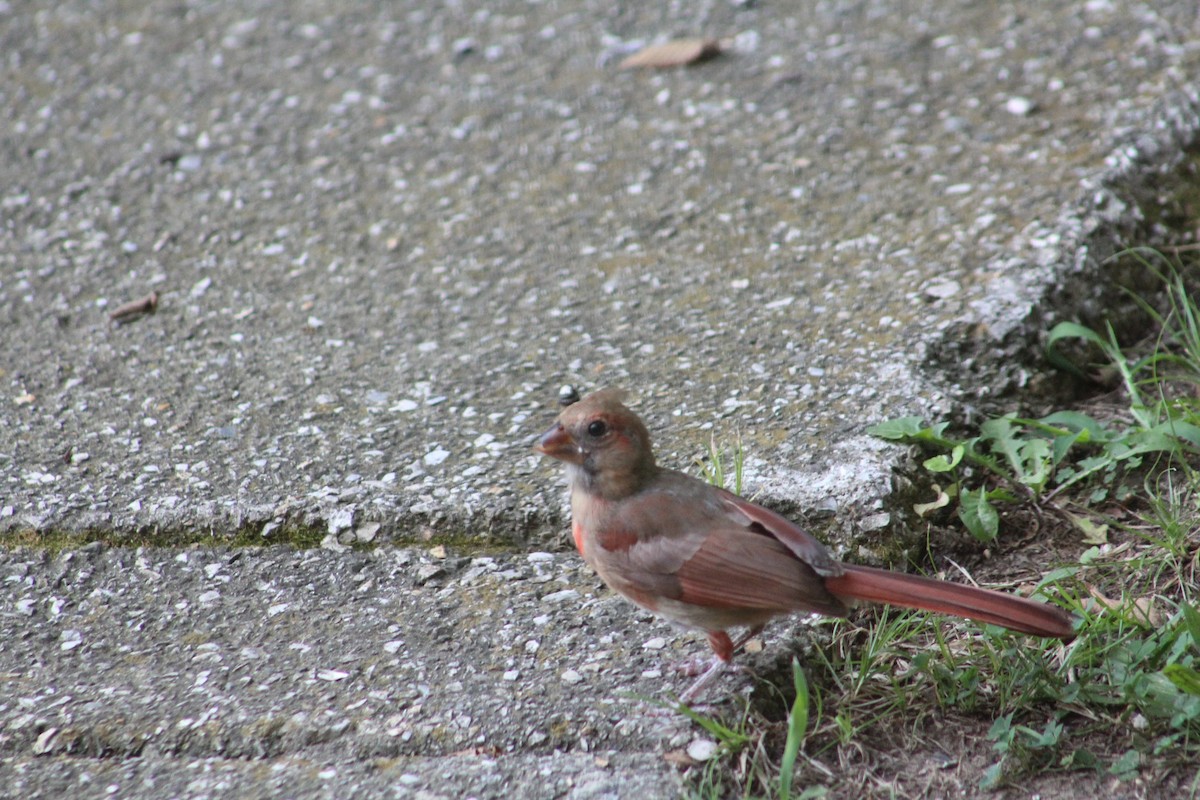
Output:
[[708, 559]]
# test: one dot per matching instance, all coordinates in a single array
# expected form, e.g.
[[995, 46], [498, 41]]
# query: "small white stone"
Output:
[[571, 677], [512, 675], [332, 675], [200, 287], [943, 289], [1019, 106], [657, 643], [340, 520], [702, 749], [876, 521], [45, 741], [330, 542], [436, 456]]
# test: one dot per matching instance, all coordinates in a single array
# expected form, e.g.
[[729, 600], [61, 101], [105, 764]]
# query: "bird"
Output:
[[710, 560]]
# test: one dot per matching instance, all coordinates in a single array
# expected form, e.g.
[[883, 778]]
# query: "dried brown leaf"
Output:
[[127, 312], [1142, 609], [1102, 599], [679, 758], [675, 53]]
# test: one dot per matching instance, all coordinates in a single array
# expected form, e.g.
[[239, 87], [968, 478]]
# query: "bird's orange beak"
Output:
[[557, 443]]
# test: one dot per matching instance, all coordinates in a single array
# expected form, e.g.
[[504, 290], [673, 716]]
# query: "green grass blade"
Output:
[[797, 725]]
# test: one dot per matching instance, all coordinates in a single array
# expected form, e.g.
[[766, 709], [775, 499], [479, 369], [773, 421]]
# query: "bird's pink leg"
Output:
[[723, 648]]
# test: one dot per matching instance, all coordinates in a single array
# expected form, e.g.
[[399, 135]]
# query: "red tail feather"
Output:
[[942, 597]]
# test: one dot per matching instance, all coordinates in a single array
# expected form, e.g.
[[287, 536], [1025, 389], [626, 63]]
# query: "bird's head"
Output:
[[605, 445]]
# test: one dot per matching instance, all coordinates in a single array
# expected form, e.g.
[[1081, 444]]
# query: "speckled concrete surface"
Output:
[[314, 668], [382, 235]]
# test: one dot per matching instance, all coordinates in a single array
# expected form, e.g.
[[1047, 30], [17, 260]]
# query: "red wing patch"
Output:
[[614, 541], [577, 534], [617, 541]]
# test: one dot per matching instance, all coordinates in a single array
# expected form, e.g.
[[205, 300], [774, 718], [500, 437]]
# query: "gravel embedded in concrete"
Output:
[[381, 236]]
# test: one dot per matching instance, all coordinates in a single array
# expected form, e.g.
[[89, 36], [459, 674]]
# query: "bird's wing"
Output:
[[800, 542], [685, 541]]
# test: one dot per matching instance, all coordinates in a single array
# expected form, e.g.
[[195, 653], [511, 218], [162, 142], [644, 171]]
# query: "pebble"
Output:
[[558, 597], [330, 542], [943, 289], [571, 677], [427, 572], [875, 521], [1020, 106], [701, 749], [436, 456], [340, 520], [200, 287]]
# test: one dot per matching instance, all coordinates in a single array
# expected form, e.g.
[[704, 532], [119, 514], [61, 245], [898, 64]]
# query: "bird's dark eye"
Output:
[[597, 428]]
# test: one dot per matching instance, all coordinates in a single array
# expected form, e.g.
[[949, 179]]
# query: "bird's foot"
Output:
[[692, 667], [706, 678]]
